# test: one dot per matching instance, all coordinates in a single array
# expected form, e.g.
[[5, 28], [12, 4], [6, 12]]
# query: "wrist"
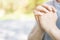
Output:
[[51, 27], [55, 33]]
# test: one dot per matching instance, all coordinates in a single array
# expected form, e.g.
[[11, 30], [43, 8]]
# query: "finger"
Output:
[[54, 9], [37, 13], [47, 7], [41, 9]]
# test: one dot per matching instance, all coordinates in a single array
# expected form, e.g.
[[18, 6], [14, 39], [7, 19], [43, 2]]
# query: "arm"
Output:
[[54, 32], [48, 18], [36, 34]]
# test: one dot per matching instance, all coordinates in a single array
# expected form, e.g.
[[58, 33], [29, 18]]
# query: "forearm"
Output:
[[36, 34], [54, 32]]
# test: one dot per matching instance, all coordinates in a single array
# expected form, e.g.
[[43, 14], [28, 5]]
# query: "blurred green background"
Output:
[[15, 9]]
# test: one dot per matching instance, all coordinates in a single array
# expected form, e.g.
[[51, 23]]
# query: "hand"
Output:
[[47, 16]]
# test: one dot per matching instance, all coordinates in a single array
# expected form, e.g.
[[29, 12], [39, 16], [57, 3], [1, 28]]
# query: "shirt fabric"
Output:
[[57, 6]]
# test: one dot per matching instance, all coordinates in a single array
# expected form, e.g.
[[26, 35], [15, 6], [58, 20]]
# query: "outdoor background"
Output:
[[17, 15]]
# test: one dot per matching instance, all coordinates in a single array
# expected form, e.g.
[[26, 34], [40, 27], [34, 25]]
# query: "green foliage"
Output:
[[32, 4], [41, 1]]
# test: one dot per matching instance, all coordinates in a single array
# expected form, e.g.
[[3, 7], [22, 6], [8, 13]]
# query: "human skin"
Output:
[[47, 17], [58, 1], [41, 33], [36, 34]]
